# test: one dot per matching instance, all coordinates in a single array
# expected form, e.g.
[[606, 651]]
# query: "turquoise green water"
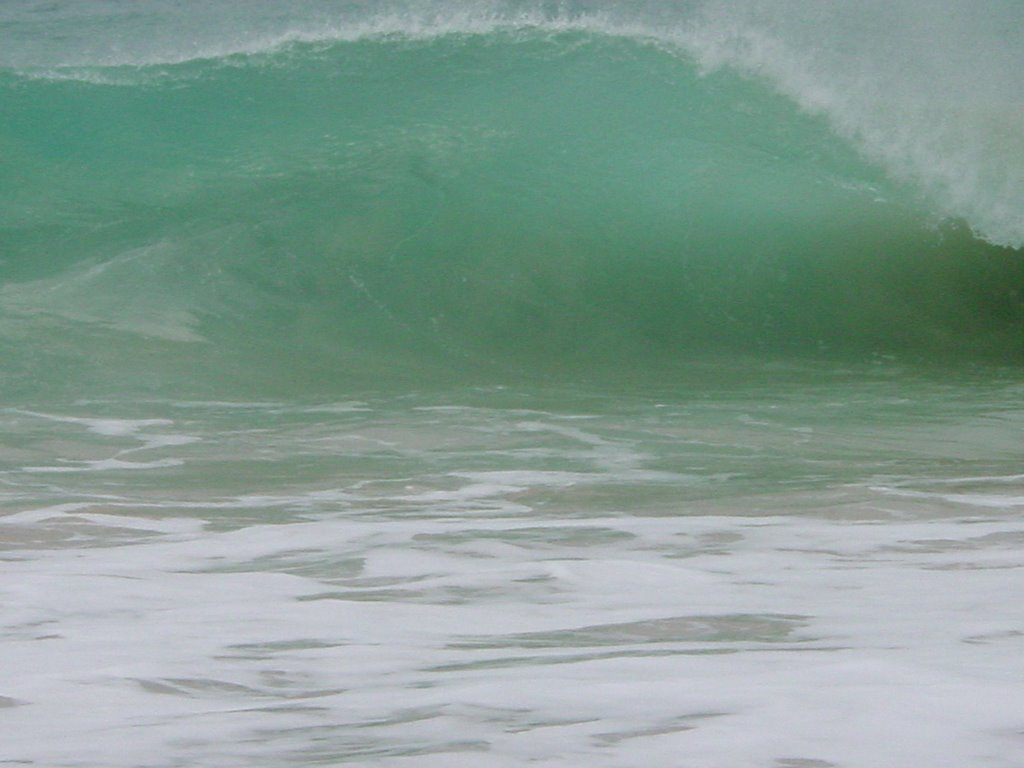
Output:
[[466, 205]]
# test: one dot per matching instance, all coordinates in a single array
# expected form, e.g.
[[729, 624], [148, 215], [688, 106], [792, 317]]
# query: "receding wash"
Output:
[[507, 383]]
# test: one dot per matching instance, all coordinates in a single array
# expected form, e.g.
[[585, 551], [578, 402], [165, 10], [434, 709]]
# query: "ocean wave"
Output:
[[519, 196]]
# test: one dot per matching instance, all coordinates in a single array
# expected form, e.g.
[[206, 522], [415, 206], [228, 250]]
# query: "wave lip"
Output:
[[903, 85]]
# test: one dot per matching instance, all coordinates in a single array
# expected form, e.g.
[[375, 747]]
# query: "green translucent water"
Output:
[[466, 207]]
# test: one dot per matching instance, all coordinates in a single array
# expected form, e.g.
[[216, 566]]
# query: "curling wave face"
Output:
[[343, 195]]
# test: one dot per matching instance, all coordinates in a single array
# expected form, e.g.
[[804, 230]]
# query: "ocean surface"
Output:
[[431, 384]]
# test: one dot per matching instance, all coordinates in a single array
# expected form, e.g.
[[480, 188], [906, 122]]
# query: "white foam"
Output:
[[990, 500], [101, 426], [554, 657], [106, 465], [903, 84]]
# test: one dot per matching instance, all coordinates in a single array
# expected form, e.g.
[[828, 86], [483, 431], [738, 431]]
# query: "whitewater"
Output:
[[511, 383]]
